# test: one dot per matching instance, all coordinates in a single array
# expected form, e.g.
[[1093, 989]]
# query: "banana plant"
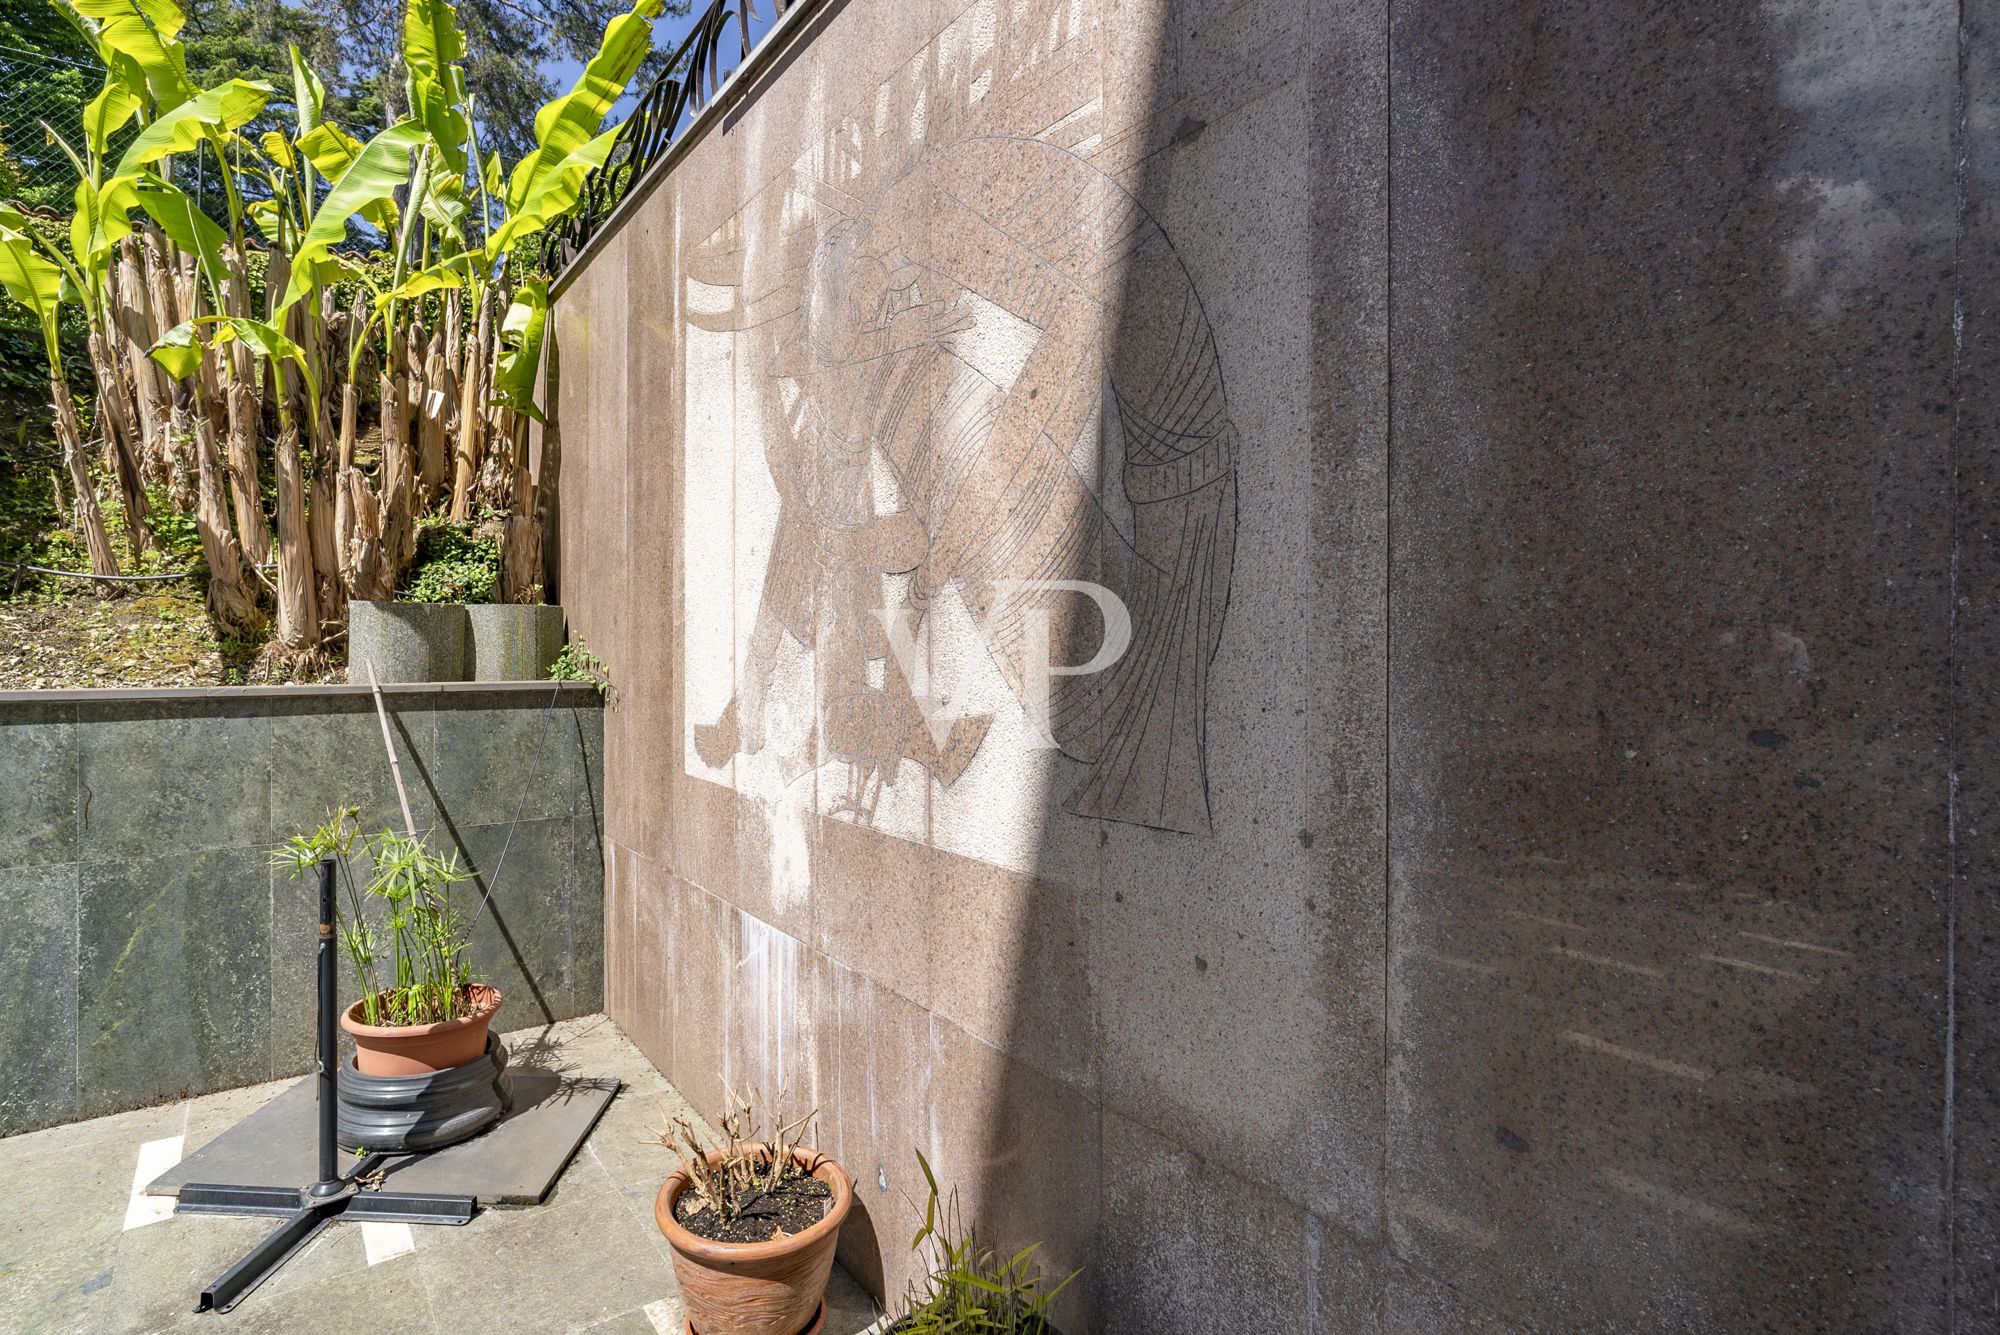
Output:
[[36, 279]]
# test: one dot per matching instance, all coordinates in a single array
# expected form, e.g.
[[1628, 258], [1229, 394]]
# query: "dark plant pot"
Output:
[[512, 641], [417, 1113], [420, 1049], [756, 1288], [406, 641]]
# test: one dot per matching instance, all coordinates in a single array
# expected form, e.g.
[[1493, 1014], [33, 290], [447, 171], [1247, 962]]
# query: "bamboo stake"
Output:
[[388, 742]]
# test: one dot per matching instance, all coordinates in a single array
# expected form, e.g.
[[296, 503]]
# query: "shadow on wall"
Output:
[[1058, 330]]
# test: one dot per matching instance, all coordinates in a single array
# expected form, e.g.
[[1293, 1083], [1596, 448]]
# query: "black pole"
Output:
[[329, 1045]]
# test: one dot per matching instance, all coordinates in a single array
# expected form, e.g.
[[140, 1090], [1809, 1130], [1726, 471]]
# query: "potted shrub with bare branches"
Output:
[[752, 1223]]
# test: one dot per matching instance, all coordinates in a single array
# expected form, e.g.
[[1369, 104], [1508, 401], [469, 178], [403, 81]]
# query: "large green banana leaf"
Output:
[[431, 43], [381, 166], [222, 108], [563, 127], [30, 278]]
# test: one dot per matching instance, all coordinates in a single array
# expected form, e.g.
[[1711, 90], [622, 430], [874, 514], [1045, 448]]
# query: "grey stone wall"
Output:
[[148, 948], [1563, 898]]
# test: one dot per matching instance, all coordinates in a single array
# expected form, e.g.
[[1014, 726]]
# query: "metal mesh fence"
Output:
[[37, 89]]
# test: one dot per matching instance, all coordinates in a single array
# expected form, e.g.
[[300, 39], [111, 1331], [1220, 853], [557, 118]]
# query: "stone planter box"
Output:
[[512, 641], [406, 641]]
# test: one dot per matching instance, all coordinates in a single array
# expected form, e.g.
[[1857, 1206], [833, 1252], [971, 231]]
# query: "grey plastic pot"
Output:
[[406, 641], [512, 641]]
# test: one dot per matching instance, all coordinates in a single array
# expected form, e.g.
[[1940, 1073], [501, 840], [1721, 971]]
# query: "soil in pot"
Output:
[[795, 1205]]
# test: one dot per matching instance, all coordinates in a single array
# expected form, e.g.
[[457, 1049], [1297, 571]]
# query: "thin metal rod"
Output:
[[382, 713]]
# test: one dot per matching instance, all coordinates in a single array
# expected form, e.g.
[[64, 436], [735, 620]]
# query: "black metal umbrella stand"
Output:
[[307, 1210]]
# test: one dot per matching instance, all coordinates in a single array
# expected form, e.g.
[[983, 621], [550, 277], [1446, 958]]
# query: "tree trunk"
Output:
[[298, 606], [152, 388], [343, 503], [433, 454], [471, 420], [177, 437], [103, 561], [399, 536], [230, 603], [245, 412], [118, 444], [374, 578]]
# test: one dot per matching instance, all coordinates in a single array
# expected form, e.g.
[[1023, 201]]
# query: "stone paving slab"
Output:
[[514, 1163], [588, 1258]]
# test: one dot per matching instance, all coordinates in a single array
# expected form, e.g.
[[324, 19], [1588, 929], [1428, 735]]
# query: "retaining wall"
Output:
[[1532, 867], [148, 948]]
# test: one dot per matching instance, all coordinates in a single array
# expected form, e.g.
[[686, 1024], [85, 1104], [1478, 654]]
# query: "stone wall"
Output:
[[148, 948], [1510, 880]]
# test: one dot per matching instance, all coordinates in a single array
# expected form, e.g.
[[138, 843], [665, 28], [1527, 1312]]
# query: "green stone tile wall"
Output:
[[148, 948]]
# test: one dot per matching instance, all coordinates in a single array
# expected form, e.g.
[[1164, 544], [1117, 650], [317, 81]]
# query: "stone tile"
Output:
[[1190, 1012], [68, 1188], [39, 795], [327, 753], [38, 996], [356, 1298], [1186, 1246], [1665, 728], [1017, 972], [583, 1228], [779, 992], [698, 946], [295, 962], [496, 760], [586, 916], [151, 766], [872, 905], [1023, 1149], [521, 941], [1414, 1304], [876, 1110], [174, 976]]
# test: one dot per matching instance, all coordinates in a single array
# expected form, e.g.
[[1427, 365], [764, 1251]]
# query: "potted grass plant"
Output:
[[969, 1289], [424, 1013], [751, 1223]]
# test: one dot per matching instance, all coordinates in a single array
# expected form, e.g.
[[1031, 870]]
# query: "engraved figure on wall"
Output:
[[993, 369]]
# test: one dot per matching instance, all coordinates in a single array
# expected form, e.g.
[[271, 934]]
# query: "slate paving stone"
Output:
[[589, 1260], [38, 785], [177, 773], [524, 931], [174, 976], [494, 762], [327, 753], [38, 995]]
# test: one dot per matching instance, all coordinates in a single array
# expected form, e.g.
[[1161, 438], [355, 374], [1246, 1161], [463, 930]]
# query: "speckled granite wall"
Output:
[[1538, 878], [148, 950]]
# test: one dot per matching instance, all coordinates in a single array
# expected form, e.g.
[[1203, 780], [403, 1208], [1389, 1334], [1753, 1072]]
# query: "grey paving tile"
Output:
[[174, 976], [327, 753], [522, 1269], [159, 770], [38, 788], [38, 995]]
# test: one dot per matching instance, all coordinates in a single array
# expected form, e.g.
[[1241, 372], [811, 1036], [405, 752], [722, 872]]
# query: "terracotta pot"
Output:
[[419, 1049], [755, 1288]]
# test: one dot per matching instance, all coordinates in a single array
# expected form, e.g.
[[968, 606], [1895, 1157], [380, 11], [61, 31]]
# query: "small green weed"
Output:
[[577, 663]]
